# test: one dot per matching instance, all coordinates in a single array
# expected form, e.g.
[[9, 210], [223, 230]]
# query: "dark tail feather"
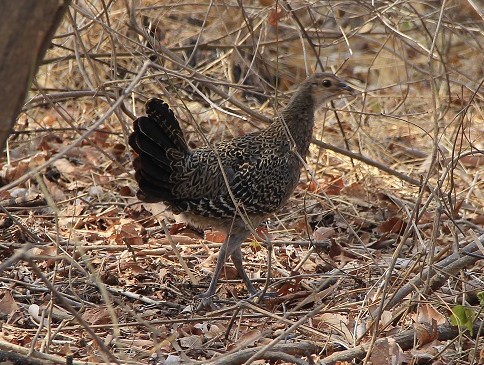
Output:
[[160, 126], [158, 140], [161, 113]]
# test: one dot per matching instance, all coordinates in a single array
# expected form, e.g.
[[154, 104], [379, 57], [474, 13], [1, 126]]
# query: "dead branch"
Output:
[[294, 349], [439, 273], [405, 340]]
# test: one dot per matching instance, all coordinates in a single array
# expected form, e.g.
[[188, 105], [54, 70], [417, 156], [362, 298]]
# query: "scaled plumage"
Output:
[[237, 182]]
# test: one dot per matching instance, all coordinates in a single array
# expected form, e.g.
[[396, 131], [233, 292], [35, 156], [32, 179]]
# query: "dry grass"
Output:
[[88, 273]]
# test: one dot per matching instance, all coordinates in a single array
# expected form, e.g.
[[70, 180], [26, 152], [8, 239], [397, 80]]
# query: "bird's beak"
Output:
[[347, 89]]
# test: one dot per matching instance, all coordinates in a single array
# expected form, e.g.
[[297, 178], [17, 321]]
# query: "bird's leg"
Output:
[[237, 260], [222, 258], [236, 257], [231, 244]]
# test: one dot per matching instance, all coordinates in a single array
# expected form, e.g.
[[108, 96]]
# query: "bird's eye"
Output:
[[326, 83]]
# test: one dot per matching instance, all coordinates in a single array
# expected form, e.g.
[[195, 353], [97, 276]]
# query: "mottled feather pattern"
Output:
[[258, 179], [192, 181], [233, 184], [261, 168]]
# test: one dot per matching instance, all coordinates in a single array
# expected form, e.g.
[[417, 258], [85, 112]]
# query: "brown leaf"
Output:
[[290, 286], [13, 172], [229, 273], [118, 151], [336, 322], [91, 155], [387, 352], [126, 190], [313, 186], [128, 232], [97, 315], [215, 236], [67, 168], [357, 190], [55, 192], [8, 305], [101, 179], [393, 225], [177, 228], [423, 334], [132, 267], [247, 339], [69, 215], [479, 219], [427, 314], [472, 161], [323, 233], [276, 15], [334, 187], [301, 226], [338, 253], [100, 137], [191, 341]]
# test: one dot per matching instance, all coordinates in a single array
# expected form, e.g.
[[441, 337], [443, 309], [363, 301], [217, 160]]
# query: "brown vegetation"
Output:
[[381, 243]]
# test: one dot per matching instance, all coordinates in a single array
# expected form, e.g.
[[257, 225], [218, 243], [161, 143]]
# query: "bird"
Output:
[[234, 184]]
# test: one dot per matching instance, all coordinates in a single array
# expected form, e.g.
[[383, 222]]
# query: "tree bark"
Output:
[[27, 27]]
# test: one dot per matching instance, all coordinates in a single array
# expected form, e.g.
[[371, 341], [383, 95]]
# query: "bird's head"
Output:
[[325, 86]]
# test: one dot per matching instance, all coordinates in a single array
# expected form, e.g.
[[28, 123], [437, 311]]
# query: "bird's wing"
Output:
[[259, 179]]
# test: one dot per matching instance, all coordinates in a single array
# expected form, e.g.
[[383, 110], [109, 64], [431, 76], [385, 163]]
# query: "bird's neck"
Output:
[[297, 120]]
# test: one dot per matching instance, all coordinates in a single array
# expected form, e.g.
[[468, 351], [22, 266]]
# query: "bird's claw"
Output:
[[206, 302]]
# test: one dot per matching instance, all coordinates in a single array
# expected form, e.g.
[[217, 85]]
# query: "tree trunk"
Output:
[[27, 27]]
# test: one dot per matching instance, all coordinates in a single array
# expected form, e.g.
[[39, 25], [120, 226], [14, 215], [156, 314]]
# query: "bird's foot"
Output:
[[205, 302], [259, 296]]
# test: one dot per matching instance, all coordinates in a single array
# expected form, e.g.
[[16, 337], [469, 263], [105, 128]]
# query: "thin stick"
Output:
[[182, 262]]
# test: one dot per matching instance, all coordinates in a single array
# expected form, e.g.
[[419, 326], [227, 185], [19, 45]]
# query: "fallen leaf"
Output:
[[276, 15], [472, 161], [97, 315], [338, 253], [8, 305], [323, 233], [54, 191], [427, 314], [313, 186], [387, 352], [128, 232], [290, 286], [335, 322], [334, 187], [247, 339], [424, 336], [177, 228], [215, 236], [191, 341], [393, 225]]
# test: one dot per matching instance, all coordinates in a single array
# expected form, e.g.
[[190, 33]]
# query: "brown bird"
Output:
[[235, 184]]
